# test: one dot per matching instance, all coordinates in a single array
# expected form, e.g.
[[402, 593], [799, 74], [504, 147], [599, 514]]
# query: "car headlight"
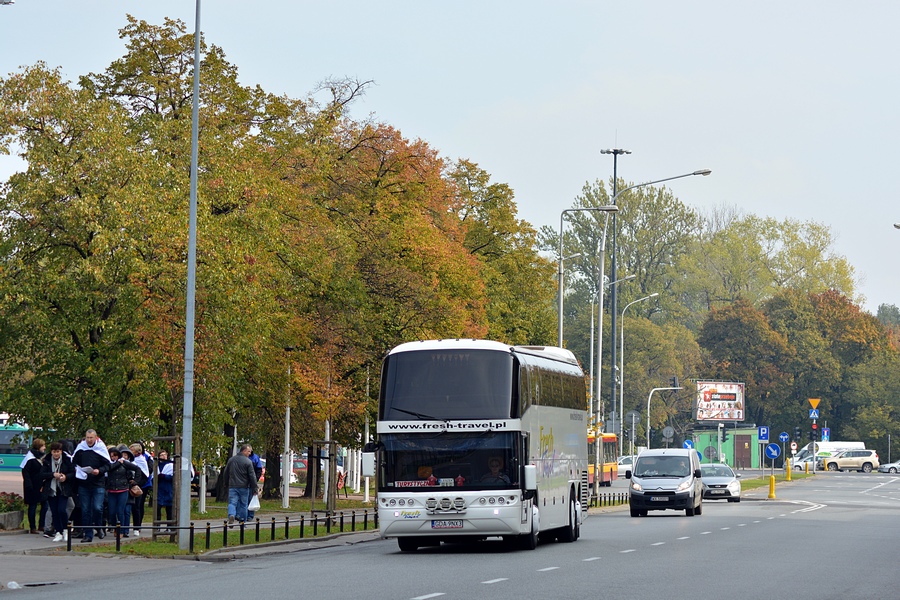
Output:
[[684, 486], [636, 486], [734, 487]]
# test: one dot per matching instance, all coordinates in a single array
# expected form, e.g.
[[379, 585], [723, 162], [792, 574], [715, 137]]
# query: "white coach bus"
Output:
[[479, 439]]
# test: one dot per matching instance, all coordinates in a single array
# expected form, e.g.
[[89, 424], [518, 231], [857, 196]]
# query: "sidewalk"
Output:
[[30, 560]]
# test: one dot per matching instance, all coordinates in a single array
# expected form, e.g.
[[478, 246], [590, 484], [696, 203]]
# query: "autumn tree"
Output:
[[518, 281], [739, 345]]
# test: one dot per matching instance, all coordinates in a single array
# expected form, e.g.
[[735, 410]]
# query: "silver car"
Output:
[[720, 482], [889, 467]]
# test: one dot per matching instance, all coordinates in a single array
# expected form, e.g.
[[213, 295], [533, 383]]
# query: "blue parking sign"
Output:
[[763, 434]]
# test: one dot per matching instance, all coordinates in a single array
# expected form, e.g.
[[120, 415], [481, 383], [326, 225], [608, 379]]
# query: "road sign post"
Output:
[[772, 452]]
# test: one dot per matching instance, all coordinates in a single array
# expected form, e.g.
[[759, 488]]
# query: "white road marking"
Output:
[[687, 537], [591, 558], [426, 596], [658, 544], [547, 569], [627, 551], [498, 580]]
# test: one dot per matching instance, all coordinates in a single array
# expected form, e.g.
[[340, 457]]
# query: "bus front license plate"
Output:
[[453, 524]]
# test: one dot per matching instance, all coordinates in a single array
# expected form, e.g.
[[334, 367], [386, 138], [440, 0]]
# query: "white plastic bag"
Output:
[[254, 503]]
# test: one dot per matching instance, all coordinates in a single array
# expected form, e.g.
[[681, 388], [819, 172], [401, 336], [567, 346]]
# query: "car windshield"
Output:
[[716, 471], [662, 466]]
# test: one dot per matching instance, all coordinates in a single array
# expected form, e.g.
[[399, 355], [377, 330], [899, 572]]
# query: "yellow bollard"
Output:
[[771, 487], [787, 463]]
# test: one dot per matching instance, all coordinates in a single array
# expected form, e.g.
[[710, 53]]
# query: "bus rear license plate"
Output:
[[659, 498], [454, 524]]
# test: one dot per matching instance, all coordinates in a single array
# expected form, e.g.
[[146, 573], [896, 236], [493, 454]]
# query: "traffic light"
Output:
[[809, 435], [627, 434], [815, 432], [675, 381], [797, 433], [725, 435]]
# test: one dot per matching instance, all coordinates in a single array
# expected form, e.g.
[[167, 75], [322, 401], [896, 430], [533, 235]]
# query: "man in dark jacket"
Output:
[[91, 462], [241, 481]]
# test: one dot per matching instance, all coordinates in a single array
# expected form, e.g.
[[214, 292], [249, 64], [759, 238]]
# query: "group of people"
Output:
[[93, 486]]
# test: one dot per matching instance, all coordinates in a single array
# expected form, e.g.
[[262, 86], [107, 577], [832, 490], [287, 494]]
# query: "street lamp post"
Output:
[[612, 307], [187, 425], [606, 209], [622, 362], [613, 295]]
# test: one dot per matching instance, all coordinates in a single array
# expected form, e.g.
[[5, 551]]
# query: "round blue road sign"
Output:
[[688, 444], [773, 451]]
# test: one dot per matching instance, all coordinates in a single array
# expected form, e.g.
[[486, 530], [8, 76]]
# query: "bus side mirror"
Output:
[[368, 464], [529, 473]]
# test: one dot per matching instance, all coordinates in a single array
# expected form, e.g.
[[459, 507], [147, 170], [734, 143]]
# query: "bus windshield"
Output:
[[447, 384], [464, 460]]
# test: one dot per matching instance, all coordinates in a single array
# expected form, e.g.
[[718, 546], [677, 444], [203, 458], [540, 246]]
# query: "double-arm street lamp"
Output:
[[612, 303], [622, 366], [606, 209]]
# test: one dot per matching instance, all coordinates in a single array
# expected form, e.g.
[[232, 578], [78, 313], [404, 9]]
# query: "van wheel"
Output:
[[407, 544], [689, 512], [699, 510], [867, 468], [569, 533]]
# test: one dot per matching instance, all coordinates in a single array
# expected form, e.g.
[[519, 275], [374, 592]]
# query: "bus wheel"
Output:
[[407, 544], [529, 541], [569, 533]]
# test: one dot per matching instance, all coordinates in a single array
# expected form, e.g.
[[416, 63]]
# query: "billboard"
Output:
[[719, 401]]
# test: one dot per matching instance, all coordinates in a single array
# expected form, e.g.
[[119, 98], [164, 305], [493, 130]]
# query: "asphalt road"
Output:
[[749, 549]]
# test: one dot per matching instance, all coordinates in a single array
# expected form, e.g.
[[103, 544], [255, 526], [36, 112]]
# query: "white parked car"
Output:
[[802, 464]]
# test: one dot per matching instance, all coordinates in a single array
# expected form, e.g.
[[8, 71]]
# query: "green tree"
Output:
[[815, 370]]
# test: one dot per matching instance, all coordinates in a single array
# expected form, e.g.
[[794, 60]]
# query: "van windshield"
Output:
[[662, 466]]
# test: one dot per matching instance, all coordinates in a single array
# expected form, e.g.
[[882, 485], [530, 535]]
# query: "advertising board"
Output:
[[719, 401]]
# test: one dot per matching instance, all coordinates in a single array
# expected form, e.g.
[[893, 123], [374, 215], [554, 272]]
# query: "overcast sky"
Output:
[[793, 105]]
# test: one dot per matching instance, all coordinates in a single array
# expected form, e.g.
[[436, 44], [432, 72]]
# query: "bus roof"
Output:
[[473, 344]]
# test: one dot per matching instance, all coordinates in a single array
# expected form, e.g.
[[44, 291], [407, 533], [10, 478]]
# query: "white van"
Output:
[[826, 449], [666, 479]]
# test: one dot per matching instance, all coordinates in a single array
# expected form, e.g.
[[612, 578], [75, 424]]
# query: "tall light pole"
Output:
[[622, 364], [606, 209], [612, 298], [187, 425]]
